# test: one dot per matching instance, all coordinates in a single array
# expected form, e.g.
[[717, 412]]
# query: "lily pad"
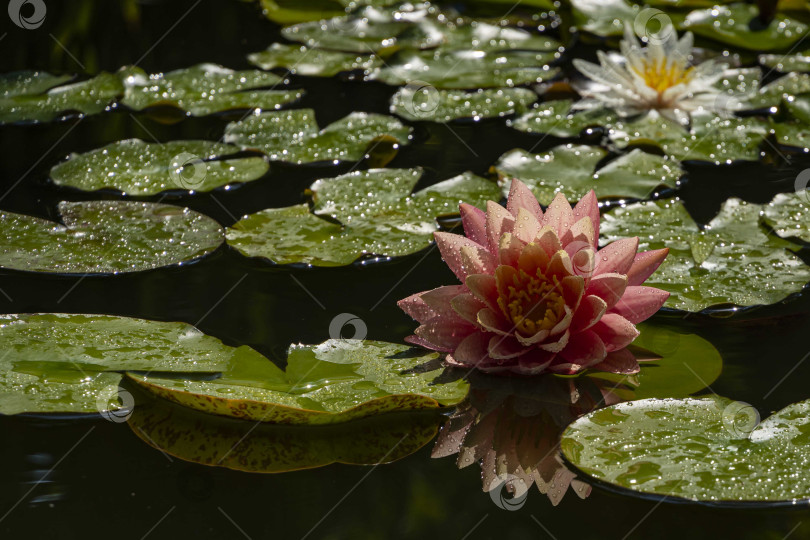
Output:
[[733, 261], [302, 60], [788, 215], [107, 237], [271, 448], [705, 450], [603, 17], [135, 167], [468, 69], [731, 24], [782, 89], [786, 63], [56, 362], [336, 381], [792, 134], [572, 170], [294, 135], [357, 214], [556, 118], [205, 89], [37, 96], [424, 102]]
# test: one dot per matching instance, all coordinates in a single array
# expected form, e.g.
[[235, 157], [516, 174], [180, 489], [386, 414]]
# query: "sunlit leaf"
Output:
[[107, 237], [302, 60], [788, 214], [423, 102], [786, 63], [556, 118]]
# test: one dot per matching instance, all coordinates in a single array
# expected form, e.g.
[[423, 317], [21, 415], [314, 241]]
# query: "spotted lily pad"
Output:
[[788, 214], [424, 102], [786, 63], [56, 362], [336, 381], [733, 261], [782, 89], [217, 441], [572, 170], [556, 118], [603, 17], [707, 450], [135, 167], [732, 24], [100, 237], [206, 89], [294, 135], [302, 60], [357, 214], [36, 96]]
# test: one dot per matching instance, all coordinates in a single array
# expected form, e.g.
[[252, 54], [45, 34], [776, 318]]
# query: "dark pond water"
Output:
[[85, 478]]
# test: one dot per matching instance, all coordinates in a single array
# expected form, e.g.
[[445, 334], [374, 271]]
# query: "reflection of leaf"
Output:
[[570, 170], [788, 214], [426, 103], [696, 449], [336, 381], [746, 267], [378, 213], [301, 60], [294, 135], [270, 448], [206, 89], [107, 237], [138, 168], [63, 363]]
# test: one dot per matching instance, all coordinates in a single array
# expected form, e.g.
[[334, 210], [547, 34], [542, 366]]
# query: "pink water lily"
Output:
[[537, 294]]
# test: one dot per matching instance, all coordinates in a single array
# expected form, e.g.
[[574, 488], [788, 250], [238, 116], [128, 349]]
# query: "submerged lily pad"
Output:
[[57, 362], [217, 441], [788, 214], [206, 89], [571, 170], [100, 237], [302, 60], [424, 102], [733, 261], [375, 213], [336, 381], [135, 167], [35, 95], [707, 450], [294, 135]]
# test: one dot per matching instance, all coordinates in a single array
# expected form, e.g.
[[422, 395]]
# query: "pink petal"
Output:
[[415, 307], [534, 362], [580, 231], [450, 247], [491, 321], [616, 257], [559, 215], [509, 249], [443, 333], [477, 260], [615, 331], [621, 361], [560, 265], [416, 340], [472, 350], [584, 349], [573, 288], [558, 345], [526, 226], [609, 287], [583, 257], [467, 306], [589, 312], [505, 348], [499, 221], [548, 240], [520, 196], [588, 206], [485, 288], [640, 303], [474, 221], [644, 264], [438, 299], [532, 259]]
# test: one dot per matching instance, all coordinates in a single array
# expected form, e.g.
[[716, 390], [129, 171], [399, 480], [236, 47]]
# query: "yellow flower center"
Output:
[[533, 303], [659, 76]]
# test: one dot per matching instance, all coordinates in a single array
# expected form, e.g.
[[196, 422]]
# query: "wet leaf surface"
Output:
[[424, 102], [302, 60]]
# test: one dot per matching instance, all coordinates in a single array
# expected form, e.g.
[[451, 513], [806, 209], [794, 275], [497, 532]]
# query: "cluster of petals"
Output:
[[536, 293]]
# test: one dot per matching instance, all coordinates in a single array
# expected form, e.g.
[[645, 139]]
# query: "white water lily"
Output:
[[659, 77]]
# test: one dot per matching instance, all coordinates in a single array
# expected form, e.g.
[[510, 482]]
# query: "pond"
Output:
[[227, 236]]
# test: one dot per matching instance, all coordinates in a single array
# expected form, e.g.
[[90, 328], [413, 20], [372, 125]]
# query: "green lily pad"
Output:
[[36, 96], [788, 215], [572, 171], [603, 17], [205, 89], [302, 60], [100, 237], [57, 362], [782, 89], [729, 24], [711, 138], [794, 134], [135, 167], [706, 450], [336, 381], [294, 135], [799, 108], [294, 11], [357, 214], [556, 118], [786, 63], [416, 102], [733, 261], [217, 441], [467, 69]]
